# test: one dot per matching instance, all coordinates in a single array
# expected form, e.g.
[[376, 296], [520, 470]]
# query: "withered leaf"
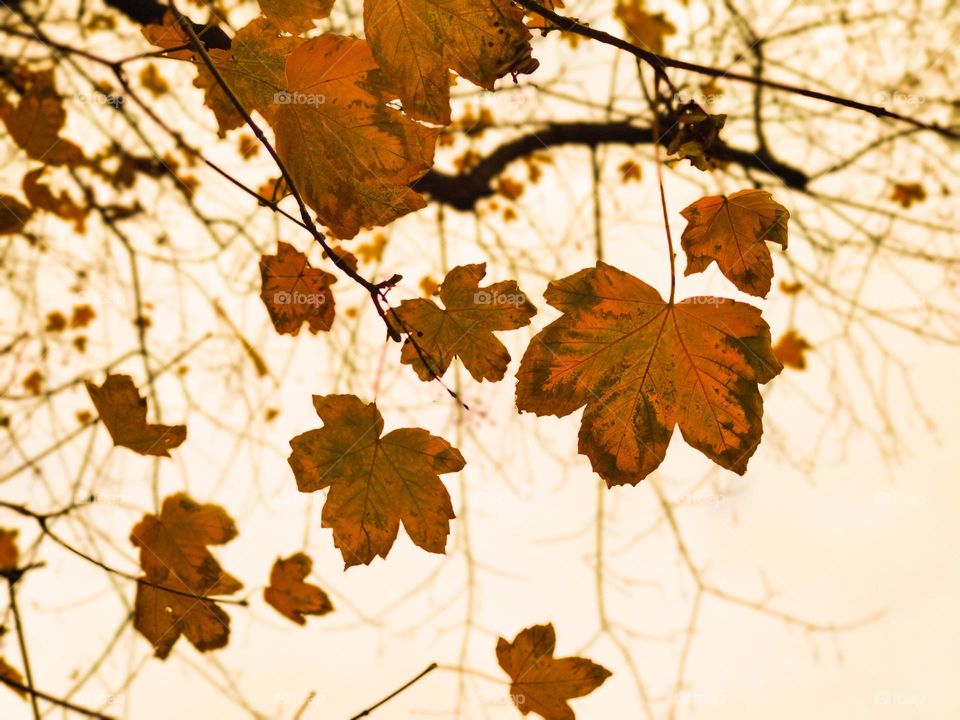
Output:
[[375, 482], [174, 554], [734, 231], [417, 42], [290, 595], [296, 293], [643, 366], [37, 119], [464, 327], [124, 413], [541, 683], [295, 16]]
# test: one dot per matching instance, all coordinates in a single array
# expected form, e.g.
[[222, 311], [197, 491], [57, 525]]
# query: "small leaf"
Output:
[[542, 683], [906, 194], [9, 553], [464, 327], [643, 366], [290, 595], [11, 673], [734, 232], [296, 293], [791, 350], [648, 30], [174, 554], [124, 413], [375, 482], [36, 121]]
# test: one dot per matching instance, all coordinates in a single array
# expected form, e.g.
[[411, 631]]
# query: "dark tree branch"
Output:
[[462, 191]]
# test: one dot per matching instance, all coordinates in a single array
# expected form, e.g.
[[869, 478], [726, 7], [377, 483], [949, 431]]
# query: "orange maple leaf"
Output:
[[791, 350], [295, 16], [375, 482], [734, 232], [541, 683], [296, 293], [464, 327], [174, 555], [124, 413], [290, 595], [643, 366], [417, 42]]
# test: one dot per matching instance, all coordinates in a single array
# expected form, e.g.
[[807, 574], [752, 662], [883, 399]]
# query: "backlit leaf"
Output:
[[174, 554], [290, 595], [464, 327], [36, 120], [124, 413], [541, 683], [417, 42], [296, 293], [295, 16], [643, 366], [734, 232], [791, 350], [374, 482]]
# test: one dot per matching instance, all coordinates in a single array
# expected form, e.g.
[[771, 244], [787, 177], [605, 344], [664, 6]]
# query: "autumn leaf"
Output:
[[36, 121], [290, 595], [41, 197], [464, 327], [296, 293], [906, 194], [643, 366], [647, 30], [14, 215], [541, 683], [11, 673], [124, 413], [174, 555], [417, 42], [375, 482], [295, 16], [9, 553], [734, 232], [696, 133], [791, 350]]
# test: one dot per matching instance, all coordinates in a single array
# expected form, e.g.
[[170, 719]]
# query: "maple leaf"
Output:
[[174, 555], [541, 683], [791, 350], [11, 673], [36, 121], [734, 232], [14, 215], [464, 327], [416, 42], [648, 30], [41, 197], [375, 482], [290, 595], [643, 366], [296, 293], [124, 413], [295, 16]]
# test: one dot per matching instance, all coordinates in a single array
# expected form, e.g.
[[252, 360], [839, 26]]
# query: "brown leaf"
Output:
[[124, 413], [9, 553], [296, 293], [174, 554], [290, 595], [542, 683], [643, 366], [375, 482], [417, 42], [464, 327], [791, 350], [14, 215], [648, 30], [11, 673], [36, 121], [734, 232], [41, 197]]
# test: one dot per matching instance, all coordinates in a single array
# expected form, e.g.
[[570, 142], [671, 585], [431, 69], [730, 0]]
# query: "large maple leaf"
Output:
[[643, 366], [124, 413], [174, 555], [734, 232], [464, 327], [541, 683], [296, 293], [417, 42], [375, 482]]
